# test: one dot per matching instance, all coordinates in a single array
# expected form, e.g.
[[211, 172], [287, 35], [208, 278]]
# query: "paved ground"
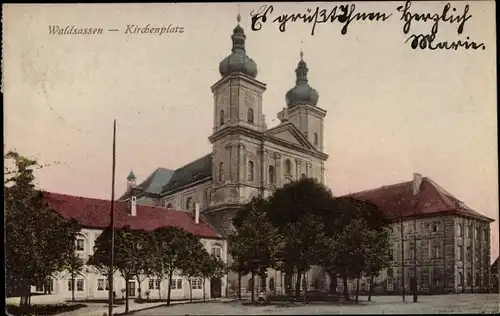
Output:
[[453, 303]]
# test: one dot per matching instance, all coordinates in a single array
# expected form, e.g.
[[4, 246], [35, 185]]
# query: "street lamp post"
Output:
[[415, 287], [402, 258]]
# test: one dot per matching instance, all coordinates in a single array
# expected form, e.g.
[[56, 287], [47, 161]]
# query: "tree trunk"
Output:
[[333, 283], [357, 289], [346, 289], [297, 285], [253, 286], [305, 289], [239, 286], [190, 290], [159, 290], [370, 289], [73, 288], [139, 288], [204, 289], [126, 295], [169, 287]]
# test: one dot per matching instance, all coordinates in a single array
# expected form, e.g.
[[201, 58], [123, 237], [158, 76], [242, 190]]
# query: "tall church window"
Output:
[[188, 203], [288, 166], [250, 170], [221, 117], [221, 171], [272, 178], [316, 139], [460, 231], [250, 116]]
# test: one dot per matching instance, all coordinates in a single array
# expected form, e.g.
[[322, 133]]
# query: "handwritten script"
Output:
[[346, 14]]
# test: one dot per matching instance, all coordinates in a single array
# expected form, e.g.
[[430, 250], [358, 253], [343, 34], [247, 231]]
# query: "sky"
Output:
[[391, 110]]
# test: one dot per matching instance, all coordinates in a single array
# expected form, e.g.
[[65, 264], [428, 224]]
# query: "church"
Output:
[[248, 159]]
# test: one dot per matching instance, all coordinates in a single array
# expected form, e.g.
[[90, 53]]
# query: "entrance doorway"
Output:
[[215, 288], [131, 288]]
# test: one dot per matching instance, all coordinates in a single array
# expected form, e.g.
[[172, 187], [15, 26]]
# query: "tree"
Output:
[[238, 249], [171, 243], [257, 241], [38, 240], [123, 255], [377, 256], [195, 256], [74, 266], [141, 264], [297, 211], [359, 238], [212, 268]]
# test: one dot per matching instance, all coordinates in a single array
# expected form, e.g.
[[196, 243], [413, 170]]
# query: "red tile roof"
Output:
[[95, 213], [431, 200]]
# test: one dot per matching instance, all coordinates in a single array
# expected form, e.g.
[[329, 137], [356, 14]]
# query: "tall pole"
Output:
[[402, 258], [112, 225], [415, 287]]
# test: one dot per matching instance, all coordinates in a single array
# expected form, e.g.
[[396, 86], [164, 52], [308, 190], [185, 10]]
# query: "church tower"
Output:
[[302, 109], [237, 130]]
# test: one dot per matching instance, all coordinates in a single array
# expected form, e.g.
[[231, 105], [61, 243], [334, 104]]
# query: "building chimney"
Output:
[[133, 205], [417, 181], [197, 213]]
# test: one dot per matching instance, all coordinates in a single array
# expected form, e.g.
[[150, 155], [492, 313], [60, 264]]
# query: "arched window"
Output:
[[476, 232], [316, 139], [469, 279], [460, 279], [271, 285], [188, 203], [221, 171], [250, 170], [460, 230], [272, 178], [478, 280], [303, 176], [169, 206], [434, 227], [250, 116], [288, 166], [221, 117]]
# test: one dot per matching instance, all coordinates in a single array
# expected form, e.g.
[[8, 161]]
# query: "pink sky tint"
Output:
[[392, 110]]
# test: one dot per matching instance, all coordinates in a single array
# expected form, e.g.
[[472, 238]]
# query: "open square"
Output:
[[437, 304]]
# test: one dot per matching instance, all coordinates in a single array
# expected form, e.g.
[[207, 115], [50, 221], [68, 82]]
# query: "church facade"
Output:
[[248, 159]]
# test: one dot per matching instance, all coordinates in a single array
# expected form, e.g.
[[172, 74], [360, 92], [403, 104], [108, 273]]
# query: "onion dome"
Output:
[[238, 61], [302, 93]]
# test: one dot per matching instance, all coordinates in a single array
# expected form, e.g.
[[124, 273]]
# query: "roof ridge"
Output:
[[192, 162], [81, 197], [382, 187]]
